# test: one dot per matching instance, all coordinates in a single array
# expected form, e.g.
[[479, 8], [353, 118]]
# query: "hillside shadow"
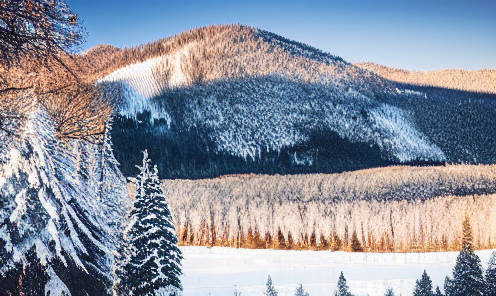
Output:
[[461, 123], [456, 121]]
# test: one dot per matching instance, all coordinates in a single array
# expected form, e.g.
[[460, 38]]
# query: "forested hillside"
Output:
[[234, 99]]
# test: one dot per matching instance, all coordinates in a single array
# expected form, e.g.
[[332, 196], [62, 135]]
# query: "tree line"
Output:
[[389, 209], [468, 278]]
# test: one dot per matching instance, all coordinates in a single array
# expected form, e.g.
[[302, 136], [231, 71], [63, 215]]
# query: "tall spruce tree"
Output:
[[423, 286], [270, 290], [343, 289], [151, 261], [490, 278], [467, 274]]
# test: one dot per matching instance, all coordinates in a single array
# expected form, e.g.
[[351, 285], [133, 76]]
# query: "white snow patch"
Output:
[[169, 290], [398, 134], [218, 271], [177, 76], [137, 76], [140, 85], [55, 286]]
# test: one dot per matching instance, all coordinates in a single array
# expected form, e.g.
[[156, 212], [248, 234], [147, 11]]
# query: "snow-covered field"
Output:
[[218, 271]]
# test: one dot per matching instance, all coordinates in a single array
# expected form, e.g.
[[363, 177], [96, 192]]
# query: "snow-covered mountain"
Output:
[[63, 201], [235, 99], [211, 101]]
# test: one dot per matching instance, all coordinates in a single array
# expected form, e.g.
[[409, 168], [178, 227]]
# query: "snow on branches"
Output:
[[150, 258]]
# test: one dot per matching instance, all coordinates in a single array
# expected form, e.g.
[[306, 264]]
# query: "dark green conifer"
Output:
[[490, 278], [343, 289], [270, 290], [467, 274], [389, 292], [300, 292], [151, 260], [423, 286]]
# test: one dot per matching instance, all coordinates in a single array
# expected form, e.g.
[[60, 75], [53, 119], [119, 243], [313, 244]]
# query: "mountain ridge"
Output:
[[481, 80], [246, 100]]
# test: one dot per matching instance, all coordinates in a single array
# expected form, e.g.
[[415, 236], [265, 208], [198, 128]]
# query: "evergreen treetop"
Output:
[[300, 292], [270, 290], [423, 286], [389, 292], [343, 289], [490, 278], [152, 258], [438, 292], [467, 274]]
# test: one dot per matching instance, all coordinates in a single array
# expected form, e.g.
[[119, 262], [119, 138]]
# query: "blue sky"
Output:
[[413, 35]]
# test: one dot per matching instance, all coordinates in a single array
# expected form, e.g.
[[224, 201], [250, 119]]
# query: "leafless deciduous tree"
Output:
[[38, 30], [79, 110], [14, 109], [37, 66]]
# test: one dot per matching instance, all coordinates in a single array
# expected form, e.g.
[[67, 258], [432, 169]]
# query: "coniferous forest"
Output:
[[113, 159]]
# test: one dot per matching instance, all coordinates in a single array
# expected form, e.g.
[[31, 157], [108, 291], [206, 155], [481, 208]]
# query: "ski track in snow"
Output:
[[218, 271]]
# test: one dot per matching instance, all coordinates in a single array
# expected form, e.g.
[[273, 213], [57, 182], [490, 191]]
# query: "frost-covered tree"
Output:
[[490, 278], [300, 292], [270, 290], [343, 289], [151, 259], [438, 292], [467, 275], [389, 292], [423, 286], [57, 229]]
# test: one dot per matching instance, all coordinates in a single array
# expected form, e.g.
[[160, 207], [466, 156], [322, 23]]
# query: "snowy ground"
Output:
[[217, 271]]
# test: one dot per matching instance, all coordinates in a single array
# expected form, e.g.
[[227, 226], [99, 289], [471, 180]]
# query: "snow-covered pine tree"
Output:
[[150, 259], [389, 292], [343, 289], [270, 290], [467, 274], [423, 286], [51, 204], [490, 278], [300, 292], [438, 292]]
